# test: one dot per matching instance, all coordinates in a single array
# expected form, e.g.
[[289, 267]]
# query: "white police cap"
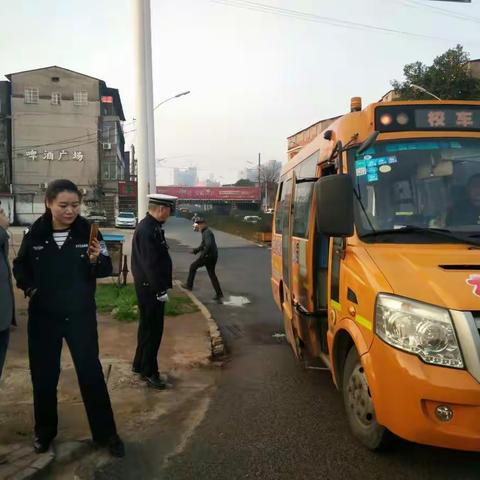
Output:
[[162, 199]]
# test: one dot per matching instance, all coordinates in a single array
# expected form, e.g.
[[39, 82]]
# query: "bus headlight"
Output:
[[418, 328]]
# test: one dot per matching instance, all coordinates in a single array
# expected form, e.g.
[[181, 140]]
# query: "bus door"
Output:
[[287, 246]]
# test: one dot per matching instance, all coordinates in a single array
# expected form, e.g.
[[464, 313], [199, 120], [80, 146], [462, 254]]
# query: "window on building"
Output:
[[56, 98], [120, 170], [80, 98], [109, 133], [31, 95], [106, 171], [106, 133]]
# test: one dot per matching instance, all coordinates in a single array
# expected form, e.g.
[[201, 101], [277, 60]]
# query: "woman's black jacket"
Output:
[[63, 279]]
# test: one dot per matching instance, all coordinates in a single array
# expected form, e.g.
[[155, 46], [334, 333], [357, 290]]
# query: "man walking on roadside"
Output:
[[208, 258], [152, 273]]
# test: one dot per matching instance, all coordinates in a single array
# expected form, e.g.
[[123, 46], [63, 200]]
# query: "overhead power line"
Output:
[[64, 141], [59, 142], [439, 10], [63, 147], [336, 22], [71, 139]]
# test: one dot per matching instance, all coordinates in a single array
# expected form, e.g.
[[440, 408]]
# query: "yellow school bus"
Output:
[[376, 267]]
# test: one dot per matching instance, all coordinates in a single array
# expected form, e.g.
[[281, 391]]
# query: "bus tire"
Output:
[[359, 405]]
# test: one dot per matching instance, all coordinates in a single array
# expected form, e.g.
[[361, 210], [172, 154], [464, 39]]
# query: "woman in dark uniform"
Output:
[[57, 270]]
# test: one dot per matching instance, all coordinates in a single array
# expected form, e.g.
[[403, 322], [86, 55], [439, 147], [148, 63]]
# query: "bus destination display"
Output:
[[424, 117]]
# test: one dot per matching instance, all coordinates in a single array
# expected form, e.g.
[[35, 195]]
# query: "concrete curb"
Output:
[[22, 463], [216, 339]]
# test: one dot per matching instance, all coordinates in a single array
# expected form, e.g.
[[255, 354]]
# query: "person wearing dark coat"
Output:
[[152, 273], [7, 311], [467, 211], [57, 269], [208, 258]]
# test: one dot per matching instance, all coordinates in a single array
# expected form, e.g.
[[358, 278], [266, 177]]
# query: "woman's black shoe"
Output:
[[116, 447], [40, 447]]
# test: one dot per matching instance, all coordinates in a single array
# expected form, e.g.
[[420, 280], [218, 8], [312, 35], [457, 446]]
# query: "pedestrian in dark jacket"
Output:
[[208, 258], [152, 273], [57, 270], [7, 310]]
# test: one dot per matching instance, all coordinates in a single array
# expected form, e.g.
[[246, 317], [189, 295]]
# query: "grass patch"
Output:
[[122, 303]]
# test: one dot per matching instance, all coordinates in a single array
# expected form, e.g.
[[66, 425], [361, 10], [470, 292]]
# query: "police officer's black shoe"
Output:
[[41, 446], [116, 447], [156, 381], [218, 298]]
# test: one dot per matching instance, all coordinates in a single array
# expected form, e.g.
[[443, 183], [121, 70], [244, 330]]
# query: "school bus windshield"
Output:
[[410, 185]]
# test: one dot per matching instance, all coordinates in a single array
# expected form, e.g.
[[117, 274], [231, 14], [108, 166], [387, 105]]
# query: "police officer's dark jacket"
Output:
[[208, 247], [63, 279], [151, 262]]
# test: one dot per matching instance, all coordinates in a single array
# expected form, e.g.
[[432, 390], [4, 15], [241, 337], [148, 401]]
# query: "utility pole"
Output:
[[259, 176], [144, 104]]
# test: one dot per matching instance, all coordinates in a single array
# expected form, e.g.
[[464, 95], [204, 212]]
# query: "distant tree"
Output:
[[270, 171], [244, 182], [449, 77], [270, 175]]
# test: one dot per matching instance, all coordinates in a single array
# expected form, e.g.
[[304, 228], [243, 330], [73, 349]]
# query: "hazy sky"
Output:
[[255, 77]]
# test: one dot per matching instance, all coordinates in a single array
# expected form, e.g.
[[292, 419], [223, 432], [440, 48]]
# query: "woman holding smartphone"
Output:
[[57, 267]]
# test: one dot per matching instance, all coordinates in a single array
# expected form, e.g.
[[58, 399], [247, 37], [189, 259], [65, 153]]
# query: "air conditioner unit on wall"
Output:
[[83, 191], [43, 185], [107, 146]]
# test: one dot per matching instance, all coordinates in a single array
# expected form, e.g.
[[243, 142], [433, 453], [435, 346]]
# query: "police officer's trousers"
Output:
[[150, 331], [45, 338]]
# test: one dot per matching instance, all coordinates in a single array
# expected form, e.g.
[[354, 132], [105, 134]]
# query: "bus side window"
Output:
[[279, 211], [301, 212]]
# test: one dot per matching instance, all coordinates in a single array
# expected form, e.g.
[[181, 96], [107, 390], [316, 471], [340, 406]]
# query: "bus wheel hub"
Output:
[[359, 400]]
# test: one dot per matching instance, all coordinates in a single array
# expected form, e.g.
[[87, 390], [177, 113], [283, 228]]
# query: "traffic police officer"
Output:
[[152, 273]]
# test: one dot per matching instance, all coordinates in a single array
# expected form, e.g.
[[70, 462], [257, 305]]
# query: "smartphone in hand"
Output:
[[93, 235]]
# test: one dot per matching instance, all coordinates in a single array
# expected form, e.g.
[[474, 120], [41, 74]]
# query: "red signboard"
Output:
[[239, 194], [127, 189], [107, 99]]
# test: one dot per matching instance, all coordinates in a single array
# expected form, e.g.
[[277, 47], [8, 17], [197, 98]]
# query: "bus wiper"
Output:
[[429, 231]]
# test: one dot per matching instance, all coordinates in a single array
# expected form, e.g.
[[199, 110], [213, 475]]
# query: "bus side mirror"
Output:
[[334, 199]]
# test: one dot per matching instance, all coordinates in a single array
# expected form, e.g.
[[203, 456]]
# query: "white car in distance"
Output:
[[125, 220]]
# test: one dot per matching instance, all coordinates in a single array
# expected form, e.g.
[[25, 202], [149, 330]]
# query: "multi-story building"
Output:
[[250, 174], [64, 124], [185, 177], [5, 153]]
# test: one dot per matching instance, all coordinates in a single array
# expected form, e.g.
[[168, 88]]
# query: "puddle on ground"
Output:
[[235, 301]]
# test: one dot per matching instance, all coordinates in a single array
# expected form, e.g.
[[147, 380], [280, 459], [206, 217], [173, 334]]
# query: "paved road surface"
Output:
[[268, 418]]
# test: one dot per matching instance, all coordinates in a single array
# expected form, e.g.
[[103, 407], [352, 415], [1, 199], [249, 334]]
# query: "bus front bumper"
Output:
[[407, 392]]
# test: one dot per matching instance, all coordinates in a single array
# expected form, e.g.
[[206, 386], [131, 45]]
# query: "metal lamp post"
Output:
[[171, 98], [424, 90], [144, 101]]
